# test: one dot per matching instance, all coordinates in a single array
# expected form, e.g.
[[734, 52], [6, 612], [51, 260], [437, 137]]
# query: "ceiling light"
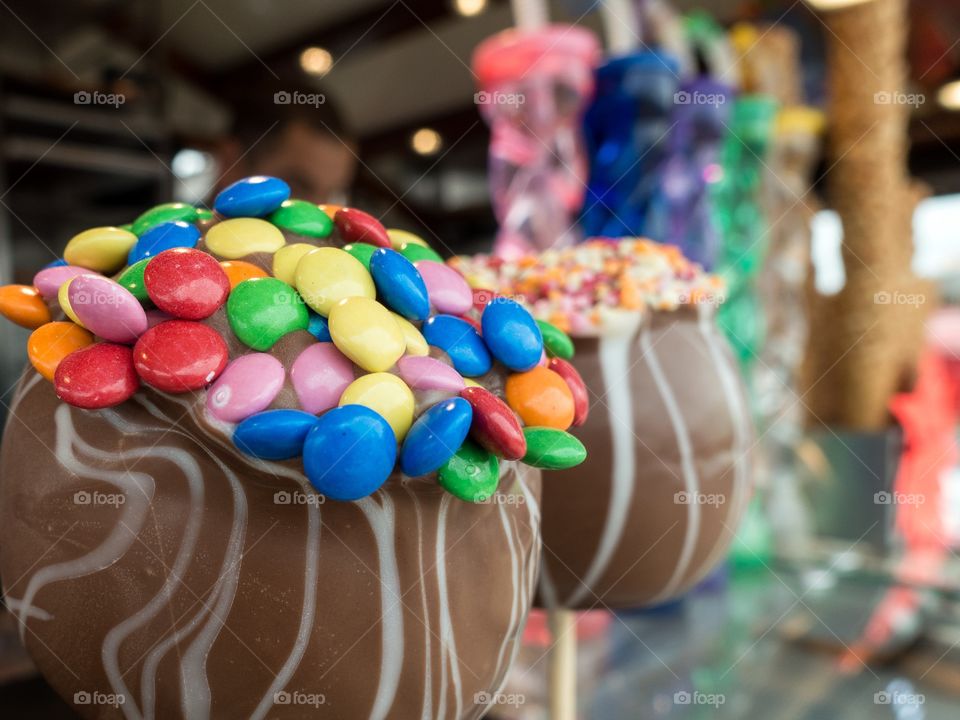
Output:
[[316, 61], [426, 141], [469, 8], [827, 5], [949, 95]]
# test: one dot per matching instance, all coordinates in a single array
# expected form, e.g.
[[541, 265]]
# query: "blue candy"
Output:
[[512, 334], [163, 237], [59, 262], [399, 284], [319, 327], [252, 197], [460, 340], [435, 436], [274, 434], [350, 452]]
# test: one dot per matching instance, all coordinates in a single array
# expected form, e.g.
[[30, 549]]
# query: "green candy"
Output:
[[556, 341], [204, 214], [552, 449], [132, 280], [414, 253], [362, 252], [303, 218], [167, 212], [472, 474], [263, 310]]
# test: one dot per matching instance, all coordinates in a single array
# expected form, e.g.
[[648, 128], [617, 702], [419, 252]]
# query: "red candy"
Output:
[[472, 321], [186, 283], [357, 226], [97, 376], [481, 297], [495, 426], [179, 356], [581, 398]]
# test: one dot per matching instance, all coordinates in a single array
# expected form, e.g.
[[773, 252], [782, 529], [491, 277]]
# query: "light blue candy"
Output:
[[399, 284], [274, 434], [59, 262], [512, 334], [461, 341], [350, 453], [435, 436], [319, 328], [164, 236], [252, 197]]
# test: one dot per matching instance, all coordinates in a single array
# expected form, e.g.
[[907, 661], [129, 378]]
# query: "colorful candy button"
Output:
[[427, 373], [318, 327], [349, 453], [461, 342], [581, 398], [356, 226], [49, 344], [274, 434], [435, 436], [132, 280], [472, 474], [319, 376], [59, 262], [330, 209], [399, 285], [385, 394], [302, 218], [63, 298], [186, 283], [556, 341], [246, 386], [178, 356], [106, 308], [362, 252], [552, 449], [327, 275], [399, 238], [449, 292], [104, 249], [481, 297], [416, 344], [164, 237], [511, 334], [285, 261], [252, 197], [237, 271], [97, 376], [263, 310], [415, 253], [48, 281], [237, 238], [540, 397], [22, 304], [167, 212], [495, 426], [365, 331]]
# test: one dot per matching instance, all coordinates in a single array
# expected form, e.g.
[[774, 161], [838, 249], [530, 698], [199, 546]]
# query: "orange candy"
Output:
[[237, 271], [330, 209], [23, 305], [541, 398], [51, 343]]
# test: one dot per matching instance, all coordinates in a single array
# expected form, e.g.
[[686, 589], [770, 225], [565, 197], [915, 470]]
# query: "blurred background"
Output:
[[817, 143]]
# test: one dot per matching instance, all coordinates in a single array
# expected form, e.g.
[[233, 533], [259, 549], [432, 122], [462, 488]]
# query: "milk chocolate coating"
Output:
[[668, 415], [217, 590]]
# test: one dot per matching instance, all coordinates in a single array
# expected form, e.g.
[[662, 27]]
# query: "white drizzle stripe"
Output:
[[516, 590], [23, 390], [447, 639], [690, 479], [382, 522], [614, 354], [427, 709], [138, 489]]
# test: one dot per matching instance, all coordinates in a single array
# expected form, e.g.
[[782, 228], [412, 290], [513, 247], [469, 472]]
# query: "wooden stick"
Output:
[[562, 665], [620, 25], [530, 14]]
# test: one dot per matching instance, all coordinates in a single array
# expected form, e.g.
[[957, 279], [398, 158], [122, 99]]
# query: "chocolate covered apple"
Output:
[[261, 467], [656, 504]]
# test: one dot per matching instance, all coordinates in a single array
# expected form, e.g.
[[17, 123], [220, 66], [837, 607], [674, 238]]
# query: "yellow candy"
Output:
[[64, 301], [239, 237], [471, 383], [416, 344], [328, 275], [104, 249], [285, 261], [365, 331], [399, 237], [386, 394]]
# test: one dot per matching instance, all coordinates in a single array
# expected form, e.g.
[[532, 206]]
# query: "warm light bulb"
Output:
[[949, 95], [426, 141], [469, 8], [827, 5], [316, 61]]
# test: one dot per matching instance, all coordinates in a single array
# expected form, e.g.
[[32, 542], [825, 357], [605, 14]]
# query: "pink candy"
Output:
[[247, 385], [449, 292], [427, 373], [106, 308], [320, 374], [48, 281]]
